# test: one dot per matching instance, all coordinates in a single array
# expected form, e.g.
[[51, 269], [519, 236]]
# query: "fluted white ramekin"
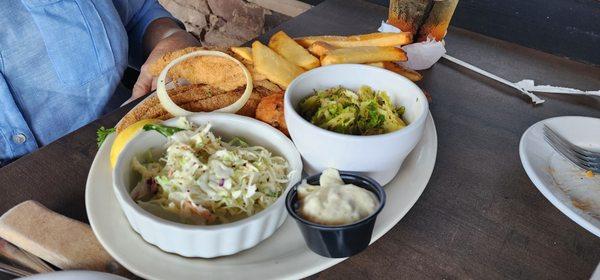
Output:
[[214, 240]]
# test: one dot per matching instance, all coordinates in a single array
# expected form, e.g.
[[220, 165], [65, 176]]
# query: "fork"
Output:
[[586, 159], [14, 271]]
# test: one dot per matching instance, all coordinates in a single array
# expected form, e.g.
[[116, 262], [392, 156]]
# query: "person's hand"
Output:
[[171, 38]]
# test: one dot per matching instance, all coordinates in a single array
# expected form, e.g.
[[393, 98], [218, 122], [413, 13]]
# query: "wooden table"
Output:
[[479, 217]]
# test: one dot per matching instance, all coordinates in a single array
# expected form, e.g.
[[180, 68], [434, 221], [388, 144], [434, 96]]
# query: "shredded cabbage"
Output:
[[201, 179], [366, 112]]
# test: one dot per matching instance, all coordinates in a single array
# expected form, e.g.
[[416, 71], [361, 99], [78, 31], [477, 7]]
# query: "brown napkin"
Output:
[[61, 241]]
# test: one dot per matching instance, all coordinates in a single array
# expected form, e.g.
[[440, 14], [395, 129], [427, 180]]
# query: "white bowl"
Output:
[[213, 240], [376, 156]]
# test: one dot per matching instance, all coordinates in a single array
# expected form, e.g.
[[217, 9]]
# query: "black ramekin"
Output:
[[337, 241]]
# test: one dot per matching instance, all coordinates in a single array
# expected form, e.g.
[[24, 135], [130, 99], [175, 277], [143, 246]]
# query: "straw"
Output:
[[534, 98], [525, 86]]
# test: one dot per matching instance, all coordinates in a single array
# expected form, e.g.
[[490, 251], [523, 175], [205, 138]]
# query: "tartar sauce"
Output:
[[335, 202]]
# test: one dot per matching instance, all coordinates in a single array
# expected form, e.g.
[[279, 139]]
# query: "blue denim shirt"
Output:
[[60, 62]]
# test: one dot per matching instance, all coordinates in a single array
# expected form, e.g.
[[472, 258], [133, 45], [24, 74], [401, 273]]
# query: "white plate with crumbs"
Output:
[[74, 275], [282, 256], [574, 191]]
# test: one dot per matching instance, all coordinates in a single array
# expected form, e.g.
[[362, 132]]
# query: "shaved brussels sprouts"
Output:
[[365, 112]]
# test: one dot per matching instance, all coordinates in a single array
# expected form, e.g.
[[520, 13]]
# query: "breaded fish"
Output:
[[209, 70], [196, 98], [215, 82]]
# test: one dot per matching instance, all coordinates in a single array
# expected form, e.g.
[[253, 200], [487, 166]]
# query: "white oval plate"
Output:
[[559, 180], [282, 256], [74, 275]]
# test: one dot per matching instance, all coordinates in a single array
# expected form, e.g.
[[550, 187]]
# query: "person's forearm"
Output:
[[162, 28]]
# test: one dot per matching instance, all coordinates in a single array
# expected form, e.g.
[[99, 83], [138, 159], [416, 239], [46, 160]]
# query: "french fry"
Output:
[[319, 48], [410, 74], [363, 55], [276, 68], [285, 46], [244, 52], [372, 39], [376, 64]]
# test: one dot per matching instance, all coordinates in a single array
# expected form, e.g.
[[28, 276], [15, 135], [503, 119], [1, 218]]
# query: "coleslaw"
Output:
[[203, 180]]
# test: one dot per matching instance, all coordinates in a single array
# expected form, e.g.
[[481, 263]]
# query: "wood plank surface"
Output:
[[479, 217]]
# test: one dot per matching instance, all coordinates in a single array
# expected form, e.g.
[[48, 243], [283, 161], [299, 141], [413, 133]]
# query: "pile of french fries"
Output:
[[286, 58]]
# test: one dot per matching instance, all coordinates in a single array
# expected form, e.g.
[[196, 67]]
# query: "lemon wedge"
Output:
[[124, 137]]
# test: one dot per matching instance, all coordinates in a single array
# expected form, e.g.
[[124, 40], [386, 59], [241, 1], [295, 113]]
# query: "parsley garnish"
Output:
[[102, 133]]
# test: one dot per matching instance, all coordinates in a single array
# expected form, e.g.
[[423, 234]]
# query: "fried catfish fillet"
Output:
[[209, 70], [195, 98], [214, 83]]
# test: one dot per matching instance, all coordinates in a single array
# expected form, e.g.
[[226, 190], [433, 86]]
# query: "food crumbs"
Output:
[[589, 174], [580, 204]]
